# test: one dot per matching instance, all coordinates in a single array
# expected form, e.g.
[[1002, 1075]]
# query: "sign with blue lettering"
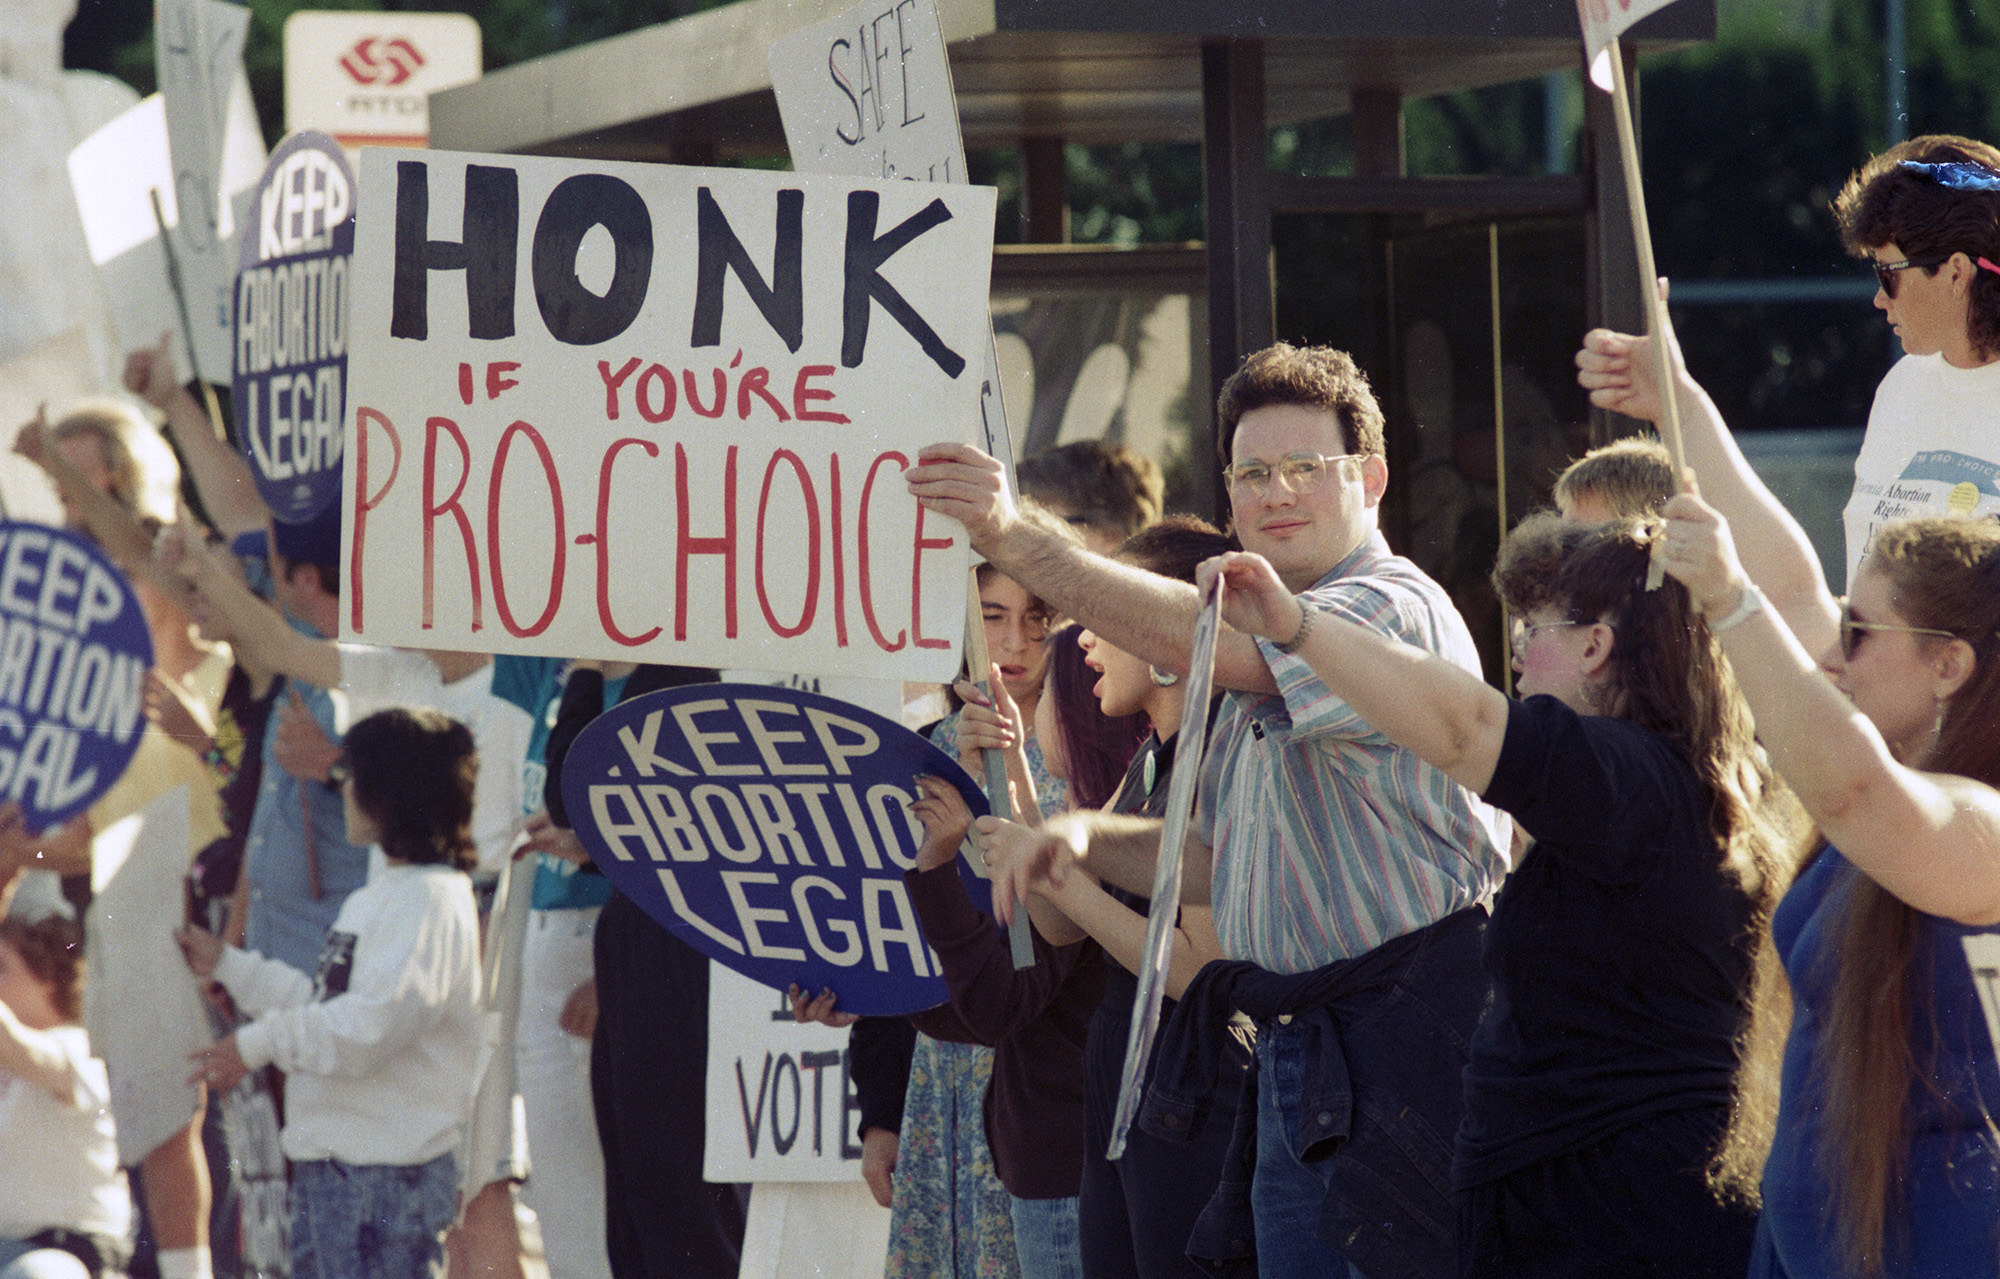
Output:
[[769, 828], [290, 361], [74, 652]]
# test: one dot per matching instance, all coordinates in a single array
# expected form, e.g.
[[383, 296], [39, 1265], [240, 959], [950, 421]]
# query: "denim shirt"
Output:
[[1388, 1034], [300, 865]]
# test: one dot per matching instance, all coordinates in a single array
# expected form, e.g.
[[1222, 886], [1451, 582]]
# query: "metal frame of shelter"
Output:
[[1036, 74]]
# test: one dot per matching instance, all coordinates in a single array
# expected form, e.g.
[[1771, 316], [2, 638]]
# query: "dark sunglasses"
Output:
[[1886, 272], [1852, 632]]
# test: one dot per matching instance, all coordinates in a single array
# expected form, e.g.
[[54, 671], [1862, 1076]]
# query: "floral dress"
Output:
[[951, 1217]]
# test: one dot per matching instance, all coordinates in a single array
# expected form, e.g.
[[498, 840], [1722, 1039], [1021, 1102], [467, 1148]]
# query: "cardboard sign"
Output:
[[769, 828], [74, 652], [117, 173], [291, 326], [645, 412], [868, 93], [198, 47], [366, 78], [781, 1099]]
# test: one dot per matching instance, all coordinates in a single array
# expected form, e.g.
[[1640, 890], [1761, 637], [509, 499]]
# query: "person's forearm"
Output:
[[1773, 547], [260, 632], [1149, 616], [1121, 931], [1450, 717], [1119, 849], [1935, 846], [221, 476]]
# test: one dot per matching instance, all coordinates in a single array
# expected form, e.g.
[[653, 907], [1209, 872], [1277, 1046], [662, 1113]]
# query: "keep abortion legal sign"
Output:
[[74, 652], [291, 326], [649, 412], [769, 828]]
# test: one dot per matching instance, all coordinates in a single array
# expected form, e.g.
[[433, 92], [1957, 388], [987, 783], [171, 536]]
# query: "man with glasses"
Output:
[[1347, 870]]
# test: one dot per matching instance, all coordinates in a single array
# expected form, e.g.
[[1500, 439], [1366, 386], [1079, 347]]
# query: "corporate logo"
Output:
[[381, 63]]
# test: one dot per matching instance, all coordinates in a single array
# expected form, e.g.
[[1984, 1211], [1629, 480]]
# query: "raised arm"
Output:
[[111, 525], [1620, 373], [1450, 717], [221, 476], [258, 630], [1143, 613], [1933, 840]]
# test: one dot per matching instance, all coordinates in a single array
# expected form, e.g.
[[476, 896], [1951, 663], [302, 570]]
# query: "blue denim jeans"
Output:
[[1045, 1236], [372, 1221], [1286, 1194], [20, 1259]]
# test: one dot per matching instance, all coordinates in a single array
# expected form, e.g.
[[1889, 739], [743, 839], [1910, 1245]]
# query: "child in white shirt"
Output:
[[380, 1048]]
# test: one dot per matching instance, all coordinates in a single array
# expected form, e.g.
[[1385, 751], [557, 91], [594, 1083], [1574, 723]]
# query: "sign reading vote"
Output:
[[769, 828], [652, 412], [74, 652], [291, 326]]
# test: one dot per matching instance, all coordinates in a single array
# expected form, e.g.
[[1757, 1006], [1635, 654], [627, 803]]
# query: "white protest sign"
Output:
[[366, 78], [1604, 21], [658, 413], [57, 373], [198, 45], [868, 94], [781, 1102], [115, 173], [1982, 956]]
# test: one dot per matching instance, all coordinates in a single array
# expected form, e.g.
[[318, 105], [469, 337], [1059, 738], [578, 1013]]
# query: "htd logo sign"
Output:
[[381, 63]]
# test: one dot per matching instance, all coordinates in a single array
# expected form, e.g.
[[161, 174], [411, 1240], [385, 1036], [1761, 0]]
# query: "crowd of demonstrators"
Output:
[[1673, 1033]]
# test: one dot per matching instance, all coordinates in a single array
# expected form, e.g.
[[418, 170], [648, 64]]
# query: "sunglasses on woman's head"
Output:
[[1852, 632]]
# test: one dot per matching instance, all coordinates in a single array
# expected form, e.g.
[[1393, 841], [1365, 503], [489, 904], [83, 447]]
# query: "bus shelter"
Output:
[[1462, 297]]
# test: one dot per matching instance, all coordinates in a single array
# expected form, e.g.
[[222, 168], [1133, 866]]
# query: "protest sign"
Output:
[[731, 451], [781, 1100], [868, 93], [74, 651], [769, 828], [124, 180], [198, 51], [291, 326], [1603, 22]]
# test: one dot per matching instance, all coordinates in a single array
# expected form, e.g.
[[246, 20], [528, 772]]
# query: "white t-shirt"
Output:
[[381, 1047], [374, 679], [1932, 448], [58, 1163]]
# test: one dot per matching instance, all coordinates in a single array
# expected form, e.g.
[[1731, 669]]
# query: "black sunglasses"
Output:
[[1852, 632], [1886, 272]]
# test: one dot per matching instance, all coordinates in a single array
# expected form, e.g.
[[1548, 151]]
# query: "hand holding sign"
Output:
[[1023, 859], [769, 828]]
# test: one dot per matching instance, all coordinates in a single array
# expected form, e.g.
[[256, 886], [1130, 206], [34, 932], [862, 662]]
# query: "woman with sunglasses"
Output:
[[1886, 1160], [1926, 215], [1622, 947]]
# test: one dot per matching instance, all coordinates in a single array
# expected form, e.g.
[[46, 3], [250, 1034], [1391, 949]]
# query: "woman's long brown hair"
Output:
[[1945, 574]]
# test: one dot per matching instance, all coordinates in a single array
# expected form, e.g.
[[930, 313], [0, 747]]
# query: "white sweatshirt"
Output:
[[381, 1047]]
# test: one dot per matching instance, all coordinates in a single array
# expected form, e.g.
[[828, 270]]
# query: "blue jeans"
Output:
[[372, 1221], [1286, 1194], [20, 1259], [1045, 1236]]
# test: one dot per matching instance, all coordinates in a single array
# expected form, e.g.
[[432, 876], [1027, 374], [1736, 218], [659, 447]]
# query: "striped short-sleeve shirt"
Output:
[[1329, 839]]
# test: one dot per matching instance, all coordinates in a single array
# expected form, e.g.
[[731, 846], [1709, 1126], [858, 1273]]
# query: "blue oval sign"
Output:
[[74, 652], [769, 828], [292, 282]]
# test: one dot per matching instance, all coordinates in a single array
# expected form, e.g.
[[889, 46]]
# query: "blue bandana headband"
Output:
[[1956, 175]]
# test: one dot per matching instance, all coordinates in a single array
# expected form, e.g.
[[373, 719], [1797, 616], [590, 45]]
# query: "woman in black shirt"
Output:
[[1622, 946]]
